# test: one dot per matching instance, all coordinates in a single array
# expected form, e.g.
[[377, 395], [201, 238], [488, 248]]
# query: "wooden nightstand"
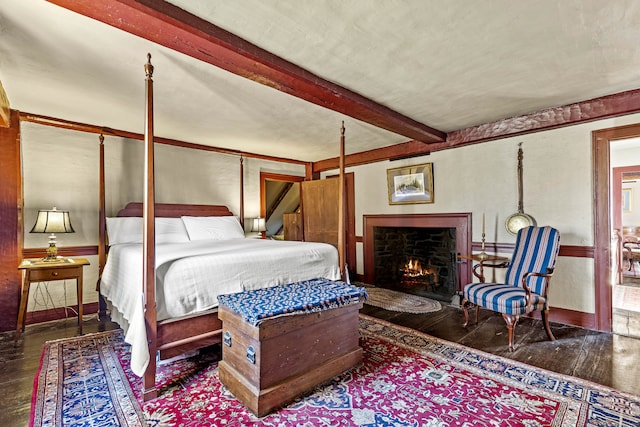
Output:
[[493, 261], [36, 270]]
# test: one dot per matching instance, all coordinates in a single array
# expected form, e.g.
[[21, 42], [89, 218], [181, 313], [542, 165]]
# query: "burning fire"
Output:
[[413, 274], [414, 269]]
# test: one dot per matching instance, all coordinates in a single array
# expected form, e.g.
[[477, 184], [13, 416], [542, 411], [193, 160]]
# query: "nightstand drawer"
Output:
[[47, 274]]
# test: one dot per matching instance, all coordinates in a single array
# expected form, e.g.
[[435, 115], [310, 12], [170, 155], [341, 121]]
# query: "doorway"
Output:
[[279, 195], [606, 247], [625, 191]]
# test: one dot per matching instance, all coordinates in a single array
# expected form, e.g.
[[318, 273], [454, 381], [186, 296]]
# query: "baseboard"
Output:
[[570, 317], [60, 313]]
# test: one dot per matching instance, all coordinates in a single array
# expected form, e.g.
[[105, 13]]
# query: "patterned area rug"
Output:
[[400, 301], [407, 379], [81, 382]]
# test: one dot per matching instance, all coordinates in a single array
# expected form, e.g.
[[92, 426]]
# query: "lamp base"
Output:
[[52, 253]]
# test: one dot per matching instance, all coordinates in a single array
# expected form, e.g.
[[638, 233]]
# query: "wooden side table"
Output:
[[37, 270], [485, 261]]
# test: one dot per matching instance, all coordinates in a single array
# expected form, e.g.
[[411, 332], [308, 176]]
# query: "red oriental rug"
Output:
[[407, 379]]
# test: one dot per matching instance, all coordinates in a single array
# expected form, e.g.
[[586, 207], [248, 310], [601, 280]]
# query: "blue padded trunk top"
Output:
[[300, 297]]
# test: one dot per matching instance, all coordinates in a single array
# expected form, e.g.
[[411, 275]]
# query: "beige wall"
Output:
[[61, 169]]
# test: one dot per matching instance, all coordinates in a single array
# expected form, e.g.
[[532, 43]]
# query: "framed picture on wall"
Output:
[[410, 184], [626, 199]]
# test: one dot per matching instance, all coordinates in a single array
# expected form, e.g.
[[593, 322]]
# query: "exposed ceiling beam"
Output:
[[84, 127], [397, 151], [168, 25], [615, 105]]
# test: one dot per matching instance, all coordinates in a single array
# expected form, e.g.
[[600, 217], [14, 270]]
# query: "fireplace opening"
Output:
[[417, 260]]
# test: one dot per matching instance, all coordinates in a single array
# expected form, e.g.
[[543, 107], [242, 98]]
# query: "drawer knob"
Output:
[[55, 273]]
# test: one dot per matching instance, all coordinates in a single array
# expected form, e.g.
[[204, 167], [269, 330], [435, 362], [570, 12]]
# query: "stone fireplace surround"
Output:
[[460, 221]]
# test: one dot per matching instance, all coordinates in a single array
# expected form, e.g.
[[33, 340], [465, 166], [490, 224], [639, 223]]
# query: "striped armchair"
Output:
[[527, 281]]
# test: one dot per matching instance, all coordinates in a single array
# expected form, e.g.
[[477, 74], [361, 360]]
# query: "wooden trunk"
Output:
[[268, 365]]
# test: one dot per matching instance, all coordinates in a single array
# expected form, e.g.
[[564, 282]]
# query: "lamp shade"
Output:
[[52, 221], [258, 224]]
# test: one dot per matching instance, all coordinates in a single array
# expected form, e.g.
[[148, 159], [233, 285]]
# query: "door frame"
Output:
[[603, 264], [269, 176]]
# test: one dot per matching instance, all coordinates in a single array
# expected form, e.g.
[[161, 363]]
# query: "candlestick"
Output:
[[482, 255]]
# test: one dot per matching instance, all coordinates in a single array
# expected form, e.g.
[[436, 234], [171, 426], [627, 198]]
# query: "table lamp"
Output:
[[259, 225], [52, 221]]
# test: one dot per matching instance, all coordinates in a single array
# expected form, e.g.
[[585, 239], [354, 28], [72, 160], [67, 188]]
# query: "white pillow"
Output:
[[171, 230], [124, 230], [213, 227], [129, 230]]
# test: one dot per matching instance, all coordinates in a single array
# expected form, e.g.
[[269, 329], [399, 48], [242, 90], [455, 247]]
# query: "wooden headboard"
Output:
[[175, 210]]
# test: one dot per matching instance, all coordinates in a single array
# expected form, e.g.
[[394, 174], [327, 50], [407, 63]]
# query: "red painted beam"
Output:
[[580, 112], [392, 152], [618, 104], [177, 29], [84, 127]]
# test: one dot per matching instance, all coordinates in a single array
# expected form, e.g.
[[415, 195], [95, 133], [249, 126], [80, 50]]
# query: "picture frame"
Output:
[[627, 194], [410, 184]]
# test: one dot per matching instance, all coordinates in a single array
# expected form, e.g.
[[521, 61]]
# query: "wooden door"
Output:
[[319, 203], [320, 210]]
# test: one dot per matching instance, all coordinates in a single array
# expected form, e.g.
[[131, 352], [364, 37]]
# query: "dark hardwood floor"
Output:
[[604, 358]]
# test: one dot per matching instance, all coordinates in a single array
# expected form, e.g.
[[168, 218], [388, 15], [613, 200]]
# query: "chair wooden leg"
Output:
[[465, 307], [511, 321], [545, 321]]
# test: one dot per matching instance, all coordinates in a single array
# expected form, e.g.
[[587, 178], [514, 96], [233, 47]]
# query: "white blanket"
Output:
[[190, 276]]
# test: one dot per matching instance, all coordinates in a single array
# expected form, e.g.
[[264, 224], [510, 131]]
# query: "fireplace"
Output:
[[418, 260], [417, 253]]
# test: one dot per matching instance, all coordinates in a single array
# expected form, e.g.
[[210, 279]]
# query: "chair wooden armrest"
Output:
[[546, 275], [630, 245]]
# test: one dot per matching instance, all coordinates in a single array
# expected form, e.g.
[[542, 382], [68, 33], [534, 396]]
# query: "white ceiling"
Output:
[[448, 64]]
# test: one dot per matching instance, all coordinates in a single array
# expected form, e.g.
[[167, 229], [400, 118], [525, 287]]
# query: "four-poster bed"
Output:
[[166, 334]]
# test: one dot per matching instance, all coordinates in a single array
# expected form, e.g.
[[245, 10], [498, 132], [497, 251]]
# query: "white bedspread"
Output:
[[190, 276]]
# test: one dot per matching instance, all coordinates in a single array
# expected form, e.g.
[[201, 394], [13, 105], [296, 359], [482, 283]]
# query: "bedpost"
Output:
[[102, 235], [341, 216], [148, 245], [242, 191]]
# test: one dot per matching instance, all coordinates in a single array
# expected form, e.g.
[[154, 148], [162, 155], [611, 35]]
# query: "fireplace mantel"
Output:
[[460, 221]]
